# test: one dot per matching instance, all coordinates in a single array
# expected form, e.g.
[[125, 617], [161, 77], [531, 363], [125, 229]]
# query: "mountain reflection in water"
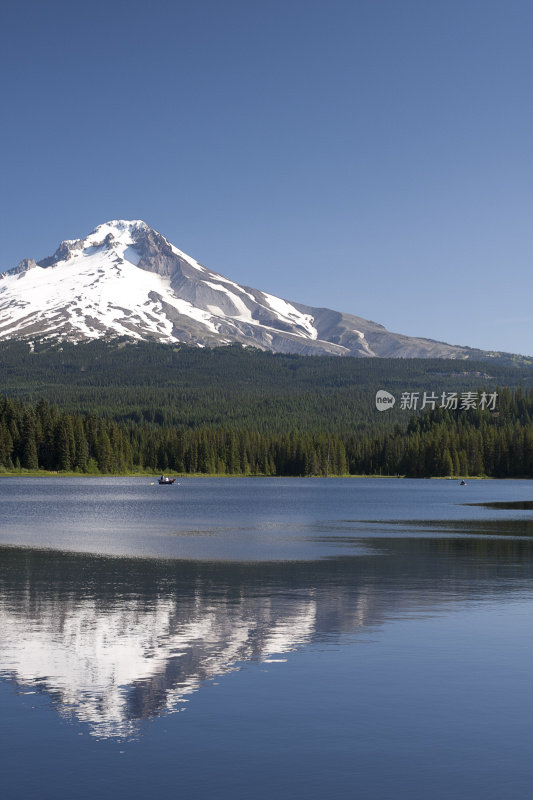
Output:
[[117, 641]]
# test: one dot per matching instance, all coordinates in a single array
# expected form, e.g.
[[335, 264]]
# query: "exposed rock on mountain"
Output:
[[126, 279]]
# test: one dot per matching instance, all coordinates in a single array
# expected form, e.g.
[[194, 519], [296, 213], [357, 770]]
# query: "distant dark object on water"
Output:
[[164, 481], [463, 483]]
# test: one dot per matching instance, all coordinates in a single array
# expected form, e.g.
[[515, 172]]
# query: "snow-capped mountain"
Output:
[[125, 279]]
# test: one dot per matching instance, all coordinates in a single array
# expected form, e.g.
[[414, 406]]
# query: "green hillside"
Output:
[[438, 442], [234, 387]]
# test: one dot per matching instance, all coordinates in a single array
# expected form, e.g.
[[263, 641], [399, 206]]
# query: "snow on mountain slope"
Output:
[[95, 289], [125, 279]]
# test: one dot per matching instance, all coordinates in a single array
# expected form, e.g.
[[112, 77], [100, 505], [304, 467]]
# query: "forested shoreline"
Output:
[[234, 387], [439, 442], [125, 408]]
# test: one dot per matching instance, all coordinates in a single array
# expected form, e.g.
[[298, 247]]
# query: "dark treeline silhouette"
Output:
[[439, 442], [233, 387]]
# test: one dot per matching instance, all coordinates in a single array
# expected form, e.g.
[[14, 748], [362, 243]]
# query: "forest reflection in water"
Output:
[[115, 641], [510, 527], [513, 505]]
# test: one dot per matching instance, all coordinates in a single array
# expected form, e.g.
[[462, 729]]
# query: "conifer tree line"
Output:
[[437, 443], [234, 387]]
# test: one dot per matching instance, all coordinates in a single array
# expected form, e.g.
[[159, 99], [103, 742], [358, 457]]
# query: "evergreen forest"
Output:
[[125, 408]]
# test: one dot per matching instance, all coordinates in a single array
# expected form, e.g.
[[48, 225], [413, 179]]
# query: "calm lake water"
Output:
[[260, 638]]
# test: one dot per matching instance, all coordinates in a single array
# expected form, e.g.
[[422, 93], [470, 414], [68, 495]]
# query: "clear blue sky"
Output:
[[373, 156]]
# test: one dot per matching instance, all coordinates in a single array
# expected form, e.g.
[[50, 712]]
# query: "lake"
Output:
[[259, 638]]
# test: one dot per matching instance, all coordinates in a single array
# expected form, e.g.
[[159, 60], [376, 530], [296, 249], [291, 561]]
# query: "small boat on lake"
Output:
[[463, 483], [164, 481]]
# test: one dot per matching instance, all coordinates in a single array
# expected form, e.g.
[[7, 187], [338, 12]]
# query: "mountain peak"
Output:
[[120, 227], [126, 279]]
